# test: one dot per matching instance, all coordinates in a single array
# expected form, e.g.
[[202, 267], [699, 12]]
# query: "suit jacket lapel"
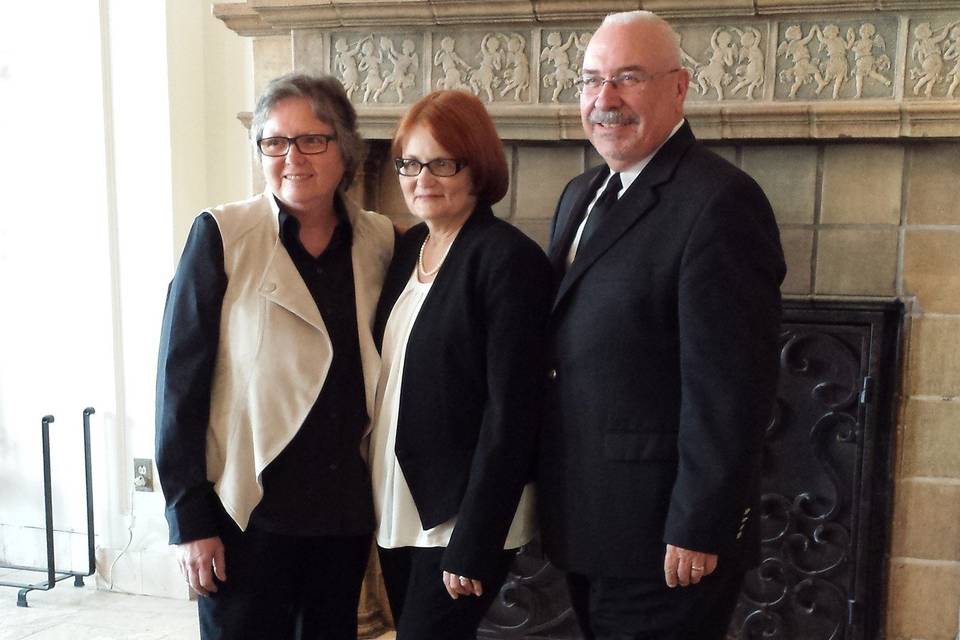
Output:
[[635, 203], [569, 219]]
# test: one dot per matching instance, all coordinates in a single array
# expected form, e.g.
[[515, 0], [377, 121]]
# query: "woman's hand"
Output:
[[461, 585], [200, 561]]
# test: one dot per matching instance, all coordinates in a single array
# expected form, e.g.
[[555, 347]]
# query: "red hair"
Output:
[[459, 123]]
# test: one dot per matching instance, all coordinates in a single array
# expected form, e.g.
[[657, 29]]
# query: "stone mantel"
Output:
[[760, 69], [266, 17]]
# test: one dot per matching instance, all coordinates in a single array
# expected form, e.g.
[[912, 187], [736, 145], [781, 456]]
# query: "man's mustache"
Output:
[[598, 116]]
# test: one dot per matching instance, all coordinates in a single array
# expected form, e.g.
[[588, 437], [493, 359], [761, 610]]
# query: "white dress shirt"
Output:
[[627, 176]]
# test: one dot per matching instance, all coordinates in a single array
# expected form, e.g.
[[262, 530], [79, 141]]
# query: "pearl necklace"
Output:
[[424, 272]]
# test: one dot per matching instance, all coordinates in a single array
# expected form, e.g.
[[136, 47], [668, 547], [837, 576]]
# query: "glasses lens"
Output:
[[274, 147], [589, 84], [443, 168], [407, 167], [311, 143]]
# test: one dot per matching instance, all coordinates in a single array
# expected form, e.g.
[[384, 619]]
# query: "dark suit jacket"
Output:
[[663, 342], [472, 389]]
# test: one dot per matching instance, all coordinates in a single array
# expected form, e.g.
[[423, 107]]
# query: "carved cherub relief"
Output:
[[867, 63], [452, 65], [795, 48], [486, 77], [517, 73], [374, 69], [346, 63], [836, 67], [369, 65], [927, 51], [687, 61], [564, 73], [406, 64], [502, 65], [953, 53], [749, 74], [722, 53]]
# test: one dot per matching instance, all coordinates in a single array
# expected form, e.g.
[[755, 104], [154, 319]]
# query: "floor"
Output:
[[70, 613]]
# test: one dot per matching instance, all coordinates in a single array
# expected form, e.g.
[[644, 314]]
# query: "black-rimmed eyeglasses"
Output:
[[307, 144], [440, 167], [626, 82]]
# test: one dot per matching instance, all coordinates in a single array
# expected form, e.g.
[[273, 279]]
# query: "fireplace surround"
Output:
[[848, 114]]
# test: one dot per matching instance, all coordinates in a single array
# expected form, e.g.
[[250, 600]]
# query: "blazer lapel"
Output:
[[403, 263], [635, 203]]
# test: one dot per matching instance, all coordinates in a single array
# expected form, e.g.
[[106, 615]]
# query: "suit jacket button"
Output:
[[552, 374]]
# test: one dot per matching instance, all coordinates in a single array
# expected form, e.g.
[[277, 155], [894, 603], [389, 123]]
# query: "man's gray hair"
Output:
[[649, 17], [330, 104]]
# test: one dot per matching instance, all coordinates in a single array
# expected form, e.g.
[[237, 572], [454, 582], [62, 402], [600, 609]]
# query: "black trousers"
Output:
[[422, 609], [286, 587], [645, 608]]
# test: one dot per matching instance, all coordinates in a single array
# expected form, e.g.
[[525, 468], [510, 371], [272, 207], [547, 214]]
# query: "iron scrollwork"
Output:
[[533, 604], [812, 444]]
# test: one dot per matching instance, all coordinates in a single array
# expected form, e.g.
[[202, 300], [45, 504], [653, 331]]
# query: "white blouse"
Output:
[[398, 520]]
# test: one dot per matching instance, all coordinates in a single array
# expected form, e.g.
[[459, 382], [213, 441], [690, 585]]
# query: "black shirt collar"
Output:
[[290, 225]]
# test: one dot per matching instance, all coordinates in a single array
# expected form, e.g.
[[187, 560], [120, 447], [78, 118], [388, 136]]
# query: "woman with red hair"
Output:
[[459, 325]]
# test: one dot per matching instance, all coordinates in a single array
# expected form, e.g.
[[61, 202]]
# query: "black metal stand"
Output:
[[54, 576]]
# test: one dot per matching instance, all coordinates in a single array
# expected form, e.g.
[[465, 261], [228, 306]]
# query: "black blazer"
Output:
[[470, 399], [663, 342]]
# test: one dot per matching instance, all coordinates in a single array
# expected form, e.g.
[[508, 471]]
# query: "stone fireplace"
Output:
[[847, 112]]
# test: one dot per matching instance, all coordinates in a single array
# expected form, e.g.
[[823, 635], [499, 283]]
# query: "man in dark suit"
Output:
[[664, 341]]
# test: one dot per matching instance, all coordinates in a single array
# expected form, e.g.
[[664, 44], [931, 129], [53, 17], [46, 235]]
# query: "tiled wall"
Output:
[[925, 569], [858, 220]]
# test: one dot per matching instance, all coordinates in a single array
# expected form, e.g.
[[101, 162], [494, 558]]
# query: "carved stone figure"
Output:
[[926, 52], [722, 54], [370, 64], [687, 61], [346, 65], [866, 63], [405, 66], [836, 67], [451, 63], [517, 74], [795, 49], [749, 75], [555, 53], [953, 53], [486, 77], [580, 42]]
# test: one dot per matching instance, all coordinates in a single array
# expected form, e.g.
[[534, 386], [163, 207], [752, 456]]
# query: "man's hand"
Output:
[[461, 585], [199, 561], [684, 567]]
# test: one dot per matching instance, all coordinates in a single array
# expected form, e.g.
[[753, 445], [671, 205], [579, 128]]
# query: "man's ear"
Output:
[[683, 84]]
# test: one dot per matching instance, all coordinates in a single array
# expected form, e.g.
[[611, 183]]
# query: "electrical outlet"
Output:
[[143, 474]]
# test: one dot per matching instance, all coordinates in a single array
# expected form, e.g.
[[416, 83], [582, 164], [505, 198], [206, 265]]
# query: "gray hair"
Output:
[[649, 17], [330, 105]]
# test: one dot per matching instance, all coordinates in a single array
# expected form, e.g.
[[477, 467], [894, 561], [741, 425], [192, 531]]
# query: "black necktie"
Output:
[[601, 208]]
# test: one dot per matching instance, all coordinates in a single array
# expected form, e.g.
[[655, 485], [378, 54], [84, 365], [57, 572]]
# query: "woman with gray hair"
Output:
[[267, 372]]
